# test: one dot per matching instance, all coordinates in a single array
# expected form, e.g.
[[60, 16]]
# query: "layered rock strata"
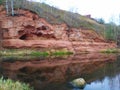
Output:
[[27, 30]]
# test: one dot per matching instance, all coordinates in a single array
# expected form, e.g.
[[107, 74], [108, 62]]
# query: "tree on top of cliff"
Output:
[[9, 7]]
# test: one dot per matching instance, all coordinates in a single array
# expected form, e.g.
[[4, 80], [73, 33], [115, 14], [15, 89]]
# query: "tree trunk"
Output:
[[12, 7], [7, 7]]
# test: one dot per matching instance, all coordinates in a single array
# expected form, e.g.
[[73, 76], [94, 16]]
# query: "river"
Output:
[[101, 71]]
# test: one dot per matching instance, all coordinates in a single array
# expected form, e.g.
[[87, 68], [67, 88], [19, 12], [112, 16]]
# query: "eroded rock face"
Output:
[[28, 30]]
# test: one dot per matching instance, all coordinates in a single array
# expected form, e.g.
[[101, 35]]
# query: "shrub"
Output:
[[8, 84]]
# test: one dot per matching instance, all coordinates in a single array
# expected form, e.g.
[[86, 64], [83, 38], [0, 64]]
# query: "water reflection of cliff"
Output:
[[47, 72]]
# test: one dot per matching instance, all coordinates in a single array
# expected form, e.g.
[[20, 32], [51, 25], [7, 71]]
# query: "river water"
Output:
[[101, 71]]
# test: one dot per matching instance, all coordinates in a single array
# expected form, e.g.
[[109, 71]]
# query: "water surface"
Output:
[[101, 71]]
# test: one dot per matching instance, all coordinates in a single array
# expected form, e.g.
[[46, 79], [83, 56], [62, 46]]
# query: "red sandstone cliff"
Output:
[[30, 31]]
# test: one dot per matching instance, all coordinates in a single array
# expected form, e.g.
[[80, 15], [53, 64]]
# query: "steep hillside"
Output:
[[37, 25], [57, 16], [28, 30]]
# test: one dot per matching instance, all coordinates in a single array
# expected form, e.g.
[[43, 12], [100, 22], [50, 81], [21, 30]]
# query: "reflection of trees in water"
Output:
[[114, 83], [111, 78], [111, 83], [119, 80], [110, 71], [114, 75]]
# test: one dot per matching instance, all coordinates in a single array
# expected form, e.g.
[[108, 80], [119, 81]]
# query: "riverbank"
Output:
[[52, 52], [28, 52], [110, 50]]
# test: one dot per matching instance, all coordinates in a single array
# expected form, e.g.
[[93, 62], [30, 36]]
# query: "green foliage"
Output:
[[24, 52], [13, 52], [111, 31], [60, 53], [8, 84], [1, 2]]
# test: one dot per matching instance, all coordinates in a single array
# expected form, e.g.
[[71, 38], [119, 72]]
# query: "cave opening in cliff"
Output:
[[42, 28], [23, 37]]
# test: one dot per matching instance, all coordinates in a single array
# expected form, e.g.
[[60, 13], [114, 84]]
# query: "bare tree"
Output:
[[7, 7], [9, 4], [12, 7]]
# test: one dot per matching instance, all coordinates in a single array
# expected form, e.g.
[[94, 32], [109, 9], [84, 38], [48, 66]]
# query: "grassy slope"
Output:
[[57, 16]]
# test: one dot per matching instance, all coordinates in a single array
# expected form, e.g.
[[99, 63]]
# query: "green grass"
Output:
[[14, 52], [57, 16], [36, 53], [60, 53], [112, 50], [8, 84]]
